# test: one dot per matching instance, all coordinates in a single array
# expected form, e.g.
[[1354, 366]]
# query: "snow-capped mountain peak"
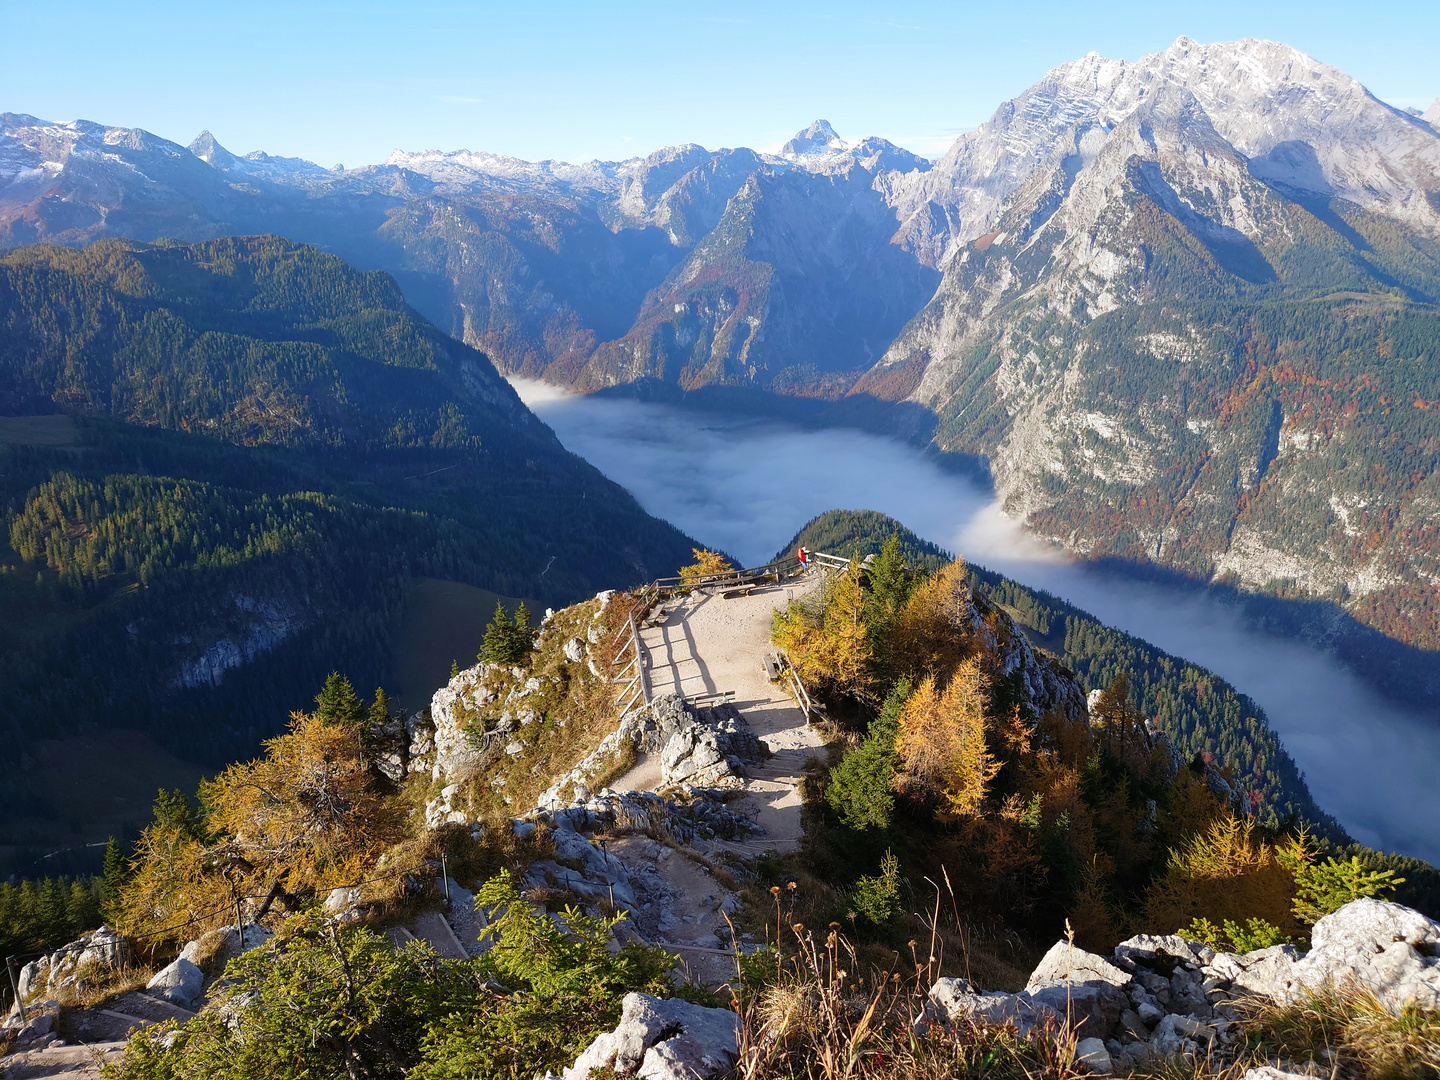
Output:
[[1299, 122], [818, 138]]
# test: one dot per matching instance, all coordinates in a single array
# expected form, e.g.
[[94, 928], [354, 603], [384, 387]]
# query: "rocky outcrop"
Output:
[[711, 751], [1389, 949], [184, 983], [263, 624], [698, 747], [456, 754], [1046, 686], [663, 1040], [36, 1030], [1068, 983], [1161, 996], [66, 967]]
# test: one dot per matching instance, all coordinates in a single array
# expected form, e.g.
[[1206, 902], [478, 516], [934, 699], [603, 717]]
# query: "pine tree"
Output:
[[495, 649], [53, 919], [113, 877], [861, 788], [506, 640], [174, 810], [380, 708], [337, 702]]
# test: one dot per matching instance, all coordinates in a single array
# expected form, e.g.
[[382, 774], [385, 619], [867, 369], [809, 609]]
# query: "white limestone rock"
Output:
[[1376, 945], [663, 1040], [180, 983]]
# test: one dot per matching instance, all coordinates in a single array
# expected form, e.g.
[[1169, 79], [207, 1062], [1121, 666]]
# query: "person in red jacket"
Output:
[[804, 557]]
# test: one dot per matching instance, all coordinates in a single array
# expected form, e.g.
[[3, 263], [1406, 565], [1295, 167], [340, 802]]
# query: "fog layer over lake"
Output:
[[747, 487]]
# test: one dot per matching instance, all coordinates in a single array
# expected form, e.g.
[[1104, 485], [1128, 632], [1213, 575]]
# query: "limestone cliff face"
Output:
[[1181, 341]]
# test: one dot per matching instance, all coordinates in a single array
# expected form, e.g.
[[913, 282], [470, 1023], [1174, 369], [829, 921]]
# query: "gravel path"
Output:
[[707, 645]]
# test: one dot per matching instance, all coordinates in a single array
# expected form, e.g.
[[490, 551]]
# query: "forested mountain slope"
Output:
[[250, 450], [1199, 712]]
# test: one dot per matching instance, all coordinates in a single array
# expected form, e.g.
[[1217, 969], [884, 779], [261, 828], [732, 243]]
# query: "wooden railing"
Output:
[[635, 691]]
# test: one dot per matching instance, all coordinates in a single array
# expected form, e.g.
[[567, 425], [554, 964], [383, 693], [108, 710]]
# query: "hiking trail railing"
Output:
[[633, 677]]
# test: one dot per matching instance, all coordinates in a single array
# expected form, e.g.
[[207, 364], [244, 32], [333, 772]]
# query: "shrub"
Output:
[[1321, 888], [1226, 872], [877, 899], [1230, 936]]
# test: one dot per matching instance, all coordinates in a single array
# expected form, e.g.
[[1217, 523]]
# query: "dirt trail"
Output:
[[707, 645]]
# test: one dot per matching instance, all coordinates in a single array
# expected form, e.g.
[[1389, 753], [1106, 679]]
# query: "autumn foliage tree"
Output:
[[308, 816], [1228, 872], [707, 564], [932, 632], [826, 638], [941, 752]]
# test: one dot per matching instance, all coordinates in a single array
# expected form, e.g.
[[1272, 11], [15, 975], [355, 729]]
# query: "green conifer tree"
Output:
[[337, 702], [174, 809], [380, 707], [113, 877], [522, 638], [495, 649]]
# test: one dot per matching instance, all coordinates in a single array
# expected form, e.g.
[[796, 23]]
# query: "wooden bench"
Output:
[[772, 667], [731, 594]]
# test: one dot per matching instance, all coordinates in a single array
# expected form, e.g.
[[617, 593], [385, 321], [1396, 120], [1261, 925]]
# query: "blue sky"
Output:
[[350, 82]]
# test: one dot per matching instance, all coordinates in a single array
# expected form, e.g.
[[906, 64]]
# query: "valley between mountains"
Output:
[[1181, 311]]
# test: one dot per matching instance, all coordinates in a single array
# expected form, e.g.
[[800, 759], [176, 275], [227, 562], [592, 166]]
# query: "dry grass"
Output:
[[817, 1009], [574, 711], [1351, 1033], [100, 983]]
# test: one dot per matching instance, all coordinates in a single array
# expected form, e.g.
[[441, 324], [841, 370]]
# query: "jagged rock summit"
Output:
[[1300, 122], [818, 138]]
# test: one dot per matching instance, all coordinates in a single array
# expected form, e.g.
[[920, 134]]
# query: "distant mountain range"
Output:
[[1186, 308]]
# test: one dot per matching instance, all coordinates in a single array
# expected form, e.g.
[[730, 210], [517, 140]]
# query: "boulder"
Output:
[[1378, 946], [1064, 963], [1187, 993], [234, 943], [181, 984], [1078, 984], [1266, 973], [663, 1040], [1179, 1034], [952, 1000], [574, 650], [1093, 1008], [1091, 1053], [1148, 948], [37, 1030]]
